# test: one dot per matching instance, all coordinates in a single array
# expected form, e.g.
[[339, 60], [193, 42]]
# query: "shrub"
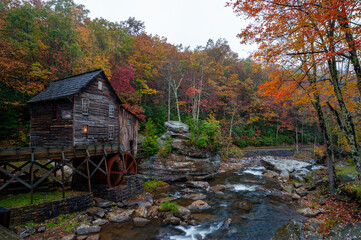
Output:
[[149, 144], [166, 148], [153, 185], [167, 205], [205, 133]]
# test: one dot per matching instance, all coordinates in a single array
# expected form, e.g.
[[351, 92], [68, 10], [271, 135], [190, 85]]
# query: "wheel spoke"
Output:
[[130, 165]]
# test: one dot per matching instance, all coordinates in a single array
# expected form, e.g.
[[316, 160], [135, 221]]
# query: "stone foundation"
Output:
[[130, 187], [42, 211]]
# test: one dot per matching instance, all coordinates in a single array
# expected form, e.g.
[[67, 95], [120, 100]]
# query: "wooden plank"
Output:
[[55, 152]]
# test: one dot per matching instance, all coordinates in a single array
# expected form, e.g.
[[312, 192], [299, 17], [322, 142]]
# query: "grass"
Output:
[[345, 170], [167, 205], [153, 185], [17, 200], [67, 222]]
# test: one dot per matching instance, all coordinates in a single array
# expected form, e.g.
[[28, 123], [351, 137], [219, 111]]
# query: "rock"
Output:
[[220, 187], [297, 177], [68, 237], [243, 205], [41, 229], [171, 199], [301, 191], [93, 237], [144, 199], [270, 174], [192, 222], [140, 222], [285, 175], [183, 213], [86, 229], [197, 184], [102, 203], [81, 237], [121, 217], [100, 222], [25, 234], [199, 205], [342, 231], [176, 126], [227, 223], [311, 212], [141, 212], [219, 193], [297, 185], [279, 165], [287, 187], [290, 231], [153, 211], [195, 196], [345, 178], [96, 212], [172, 220], [185, 162], [295, 196]]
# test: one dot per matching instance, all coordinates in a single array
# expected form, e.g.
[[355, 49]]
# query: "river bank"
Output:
[[246, 200]]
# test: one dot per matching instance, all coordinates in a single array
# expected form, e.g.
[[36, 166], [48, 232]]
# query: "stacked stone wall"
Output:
[[42, 211]]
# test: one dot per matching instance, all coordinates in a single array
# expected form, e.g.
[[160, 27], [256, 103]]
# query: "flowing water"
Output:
[[255, 205]]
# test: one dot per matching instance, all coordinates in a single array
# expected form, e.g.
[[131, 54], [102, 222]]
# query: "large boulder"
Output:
[[176, 126], [185, 162], [293, 167]]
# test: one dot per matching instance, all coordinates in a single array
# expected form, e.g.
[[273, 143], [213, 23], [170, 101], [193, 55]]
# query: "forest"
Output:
[[302, 86]]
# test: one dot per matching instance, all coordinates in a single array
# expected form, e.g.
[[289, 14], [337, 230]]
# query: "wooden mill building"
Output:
[[82, 109]]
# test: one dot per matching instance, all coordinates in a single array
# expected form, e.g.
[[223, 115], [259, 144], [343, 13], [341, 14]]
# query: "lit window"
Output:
[[111, 110], [111, 132], [85, 106], [84, 130], [100, 85]]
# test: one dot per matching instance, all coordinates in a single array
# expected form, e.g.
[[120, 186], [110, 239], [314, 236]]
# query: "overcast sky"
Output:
[[187, 22]]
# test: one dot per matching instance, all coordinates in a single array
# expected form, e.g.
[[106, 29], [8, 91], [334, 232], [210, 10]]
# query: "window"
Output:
[[111, 132], [84, 130], [85, 106], [100, 85], [111, 110], [129, 121]]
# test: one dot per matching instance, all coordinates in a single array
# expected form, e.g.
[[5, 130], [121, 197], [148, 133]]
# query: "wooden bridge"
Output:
[[31, 166]]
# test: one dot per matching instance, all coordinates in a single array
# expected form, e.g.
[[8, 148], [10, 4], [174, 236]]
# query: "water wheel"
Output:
[[120, 165]]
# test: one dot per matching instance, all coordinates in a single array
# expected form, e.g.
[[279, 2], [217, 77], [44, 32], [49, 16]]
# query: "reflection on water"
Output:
[[255, 205]]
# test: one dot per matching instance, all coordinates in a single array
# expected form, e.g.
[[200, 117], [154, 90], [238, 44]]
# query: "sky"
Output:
[[187, 22]]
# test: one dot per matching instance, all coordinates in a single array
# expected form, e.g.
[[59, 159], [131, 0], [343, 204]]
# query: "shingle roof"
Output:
[[65, 87]]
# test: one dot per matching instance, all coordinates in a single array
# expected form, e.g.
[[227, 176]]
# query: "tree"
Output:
[[314, 29]]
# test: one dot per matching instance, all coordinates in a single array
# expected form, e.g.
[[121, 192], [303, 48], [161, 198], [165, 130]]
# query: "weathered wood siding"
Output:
[[97, 119], [128, 131], [45, 130]]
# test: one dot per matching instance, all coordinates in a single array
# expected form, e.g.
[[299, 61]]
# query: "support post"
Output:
[[88, 171], [62, 171], [106, 165], [32, 176]]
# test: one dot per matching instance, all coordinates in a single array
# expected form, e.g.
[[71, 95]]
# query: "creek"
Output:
[[256, 207]]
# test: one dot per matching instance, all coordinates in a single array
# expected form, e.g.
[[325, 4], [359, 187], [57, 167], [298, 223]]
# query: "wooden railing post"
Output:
[[32, 176]]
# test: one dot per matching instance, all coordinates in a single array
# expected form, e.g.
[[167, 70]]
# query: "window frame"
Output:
[[111, 110], [84, 130], [85, 106], [111, 131]]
